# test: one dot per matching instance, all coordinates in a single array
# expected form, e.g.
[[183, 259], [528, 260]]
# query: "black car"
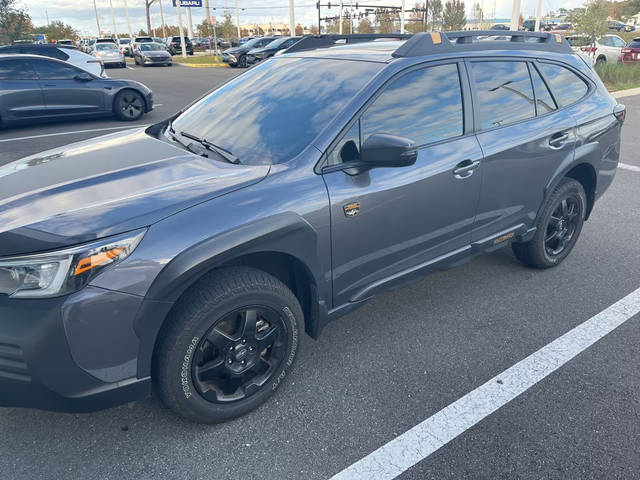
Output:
[[269, 50], [174, 45], [237, 56], [39, 88]]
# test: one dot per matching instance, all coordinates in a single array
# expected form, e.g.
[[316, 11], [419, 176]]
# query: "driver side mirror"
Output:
[[383, 150], [83, 77]]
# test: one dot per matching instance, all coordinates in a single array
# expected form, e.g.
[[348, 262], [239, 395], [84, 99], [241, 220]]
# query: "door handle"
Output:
[[465, 168], [558, 140]]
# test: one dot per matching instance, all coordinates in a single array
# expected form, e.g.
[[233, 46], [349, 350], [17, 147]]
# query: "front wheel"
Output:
[[242, 61], [558, 227], [227, 345], [128, 105]]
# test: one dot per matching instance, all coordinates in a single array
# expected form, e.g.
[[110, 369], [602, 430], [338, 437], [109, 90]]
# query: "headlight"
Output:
[[63, 271]]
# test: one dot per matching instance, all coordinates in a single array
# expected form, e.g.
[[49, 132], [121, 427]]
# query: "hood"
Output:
[[262, 50], [104, 186]]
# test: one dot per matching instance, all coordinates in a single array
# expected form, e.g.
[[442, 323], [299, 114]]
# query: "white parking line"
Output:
[[15, 139], [418, 443], [626, 166], [130, 68]]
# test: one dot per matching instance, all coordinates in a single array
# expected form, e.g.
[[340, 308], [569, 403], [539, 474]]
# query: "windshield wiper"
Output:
[[226, 154]]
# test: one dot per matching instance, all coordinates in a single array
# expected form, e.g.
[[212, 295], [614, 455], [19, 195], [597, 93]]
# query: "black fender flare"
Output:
[[283, 233]]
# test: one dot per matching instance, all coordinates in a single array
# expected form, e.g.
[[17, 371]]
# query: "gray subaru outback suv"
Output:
[[190, 257]]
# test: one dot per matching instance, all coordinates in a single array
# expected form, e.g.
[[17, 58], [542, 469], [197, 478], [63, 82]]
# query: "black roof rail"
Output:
[[311, 42], [437, 42]]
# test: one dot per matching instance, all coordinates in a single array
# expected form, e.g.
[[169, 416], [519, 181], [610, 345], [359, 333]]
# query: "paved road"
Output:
[[395, 362]]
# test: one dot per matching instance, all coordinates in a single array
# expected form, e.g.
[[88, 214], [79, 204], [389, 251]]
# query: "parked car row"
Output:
[[255, 49], [606, 49]]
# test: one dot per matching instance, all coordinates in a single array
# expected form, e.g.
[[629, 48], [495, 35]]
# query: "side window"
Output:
[[348, 149], [544, 101], [566, 86], [606, 41], [618, 42], [51, 70], [504, 92], [424, 106], [16, 70]]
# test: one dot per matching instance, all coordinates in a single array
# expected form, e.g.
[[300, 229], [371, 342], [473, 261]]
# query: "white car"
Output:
[[110, 54], [607, 49], [75, 57]]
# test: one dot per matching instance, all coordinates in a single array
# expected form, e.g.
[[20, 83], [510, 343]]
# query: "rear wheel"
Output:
[[557, 229], [227, 345], [128, 105]]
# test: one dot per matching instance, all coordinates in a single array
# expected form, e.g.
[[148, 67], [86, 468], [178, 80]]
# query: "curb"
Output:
[[202, 65], [626, 93]]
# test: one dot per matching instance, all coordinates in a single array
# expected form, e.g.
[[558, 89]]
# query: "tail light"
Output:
[[589, 49], [620, 112]]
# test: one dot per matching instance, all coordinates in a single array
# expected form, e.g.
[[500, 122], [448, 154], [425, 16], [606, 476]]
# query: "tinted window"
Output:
[[504, 92], [544, 101], [16, 70], [618, 42], [273, 111], [49, 70], [566, 86], [424, 106]]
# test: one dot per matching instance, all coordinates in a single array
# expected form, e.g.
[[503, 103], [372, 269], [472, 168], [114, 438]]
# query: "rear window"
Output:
[[635, 43], [565, 85], [504, 92], [258, 115]]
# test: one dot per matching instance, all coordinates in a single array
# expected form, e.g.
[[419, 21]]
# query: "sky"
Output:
[[80, 13]]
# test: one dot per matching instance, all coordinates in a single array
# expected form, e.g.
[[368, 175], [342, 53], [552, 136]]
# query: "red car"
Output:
[[631, 53]]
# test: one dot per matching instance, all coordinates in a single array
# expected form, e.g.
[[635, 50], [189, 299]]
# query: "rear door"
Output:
[[64, 94], [20, 93], [387, 223], [524, 138]]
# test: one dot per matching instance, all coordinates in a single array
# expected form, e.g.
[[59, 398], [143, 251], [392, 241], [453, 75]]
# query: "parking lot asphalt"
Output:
[[397, 361]]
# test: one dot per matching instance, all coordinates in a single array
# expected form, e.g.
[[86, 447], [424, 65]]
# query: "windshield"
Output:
[[151, 46], [272, 112], [106, 46], [276, 43], [124, 41]]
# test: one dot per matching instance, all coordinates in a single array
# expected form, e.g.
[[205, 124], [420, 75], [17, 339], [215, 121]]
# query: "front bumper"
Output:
[[156, 60], [76, 353], [230, 59]]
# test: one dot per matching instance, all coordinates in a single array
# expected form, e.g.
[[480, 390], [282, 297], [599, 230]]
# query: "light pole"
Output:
[[189, 22], [182, 45], [95, 9], [515, 15], [340, 26], [238, 19], [113, 19], [126, 7], [538, 15], [402, 18], [292, 19], [164, 29]]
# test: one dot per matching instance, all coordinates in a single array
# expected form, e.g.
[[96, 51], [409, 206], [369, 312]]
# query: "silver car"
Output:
[[151, 54], [110, 54]]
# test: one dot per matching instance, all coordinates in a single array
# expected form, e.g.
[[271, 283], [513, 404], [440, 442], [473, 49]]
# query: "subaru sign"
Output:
[[188, 3]]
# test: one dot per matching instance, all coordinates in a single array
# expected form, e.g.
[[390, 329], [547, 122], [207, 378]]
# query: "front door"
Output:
[[388, 222]]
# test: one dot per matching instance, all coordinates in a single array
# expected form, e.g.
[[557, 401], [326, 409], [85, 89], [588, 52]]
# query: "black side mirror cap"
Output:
[[383, 150], [83, 77]]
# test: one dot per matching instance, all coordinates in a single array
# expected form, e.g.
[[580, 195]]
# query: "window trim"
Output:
[[531, 66], [467, 109]]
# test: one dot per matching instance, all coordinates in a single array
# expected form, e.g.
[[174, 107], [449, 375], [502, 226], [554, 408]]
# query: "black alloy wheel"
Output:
[[239, 354], [129, 105], [242, 61], [562, 225], [557, 228]]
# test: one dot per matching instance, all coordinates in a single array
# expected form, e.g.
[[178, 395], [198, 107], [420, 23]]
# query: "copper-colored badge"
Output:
[[351, 209]]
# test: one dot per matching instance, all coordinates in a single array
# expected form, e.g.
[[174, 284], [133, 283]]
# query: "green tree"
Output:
[[334, 26], [592, 21], [15, 22], [435, 12], [227, 28], [365, 26], [57, 30], [454, 16]]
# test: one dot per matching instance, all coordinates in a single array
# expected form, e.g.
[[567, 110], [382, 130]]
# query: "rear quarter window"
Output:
[[566, 86]]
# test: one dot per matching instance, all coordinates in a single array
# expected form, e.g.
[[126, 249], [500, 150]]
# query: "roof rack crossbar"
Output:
[[423, 43], [311, 42]]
